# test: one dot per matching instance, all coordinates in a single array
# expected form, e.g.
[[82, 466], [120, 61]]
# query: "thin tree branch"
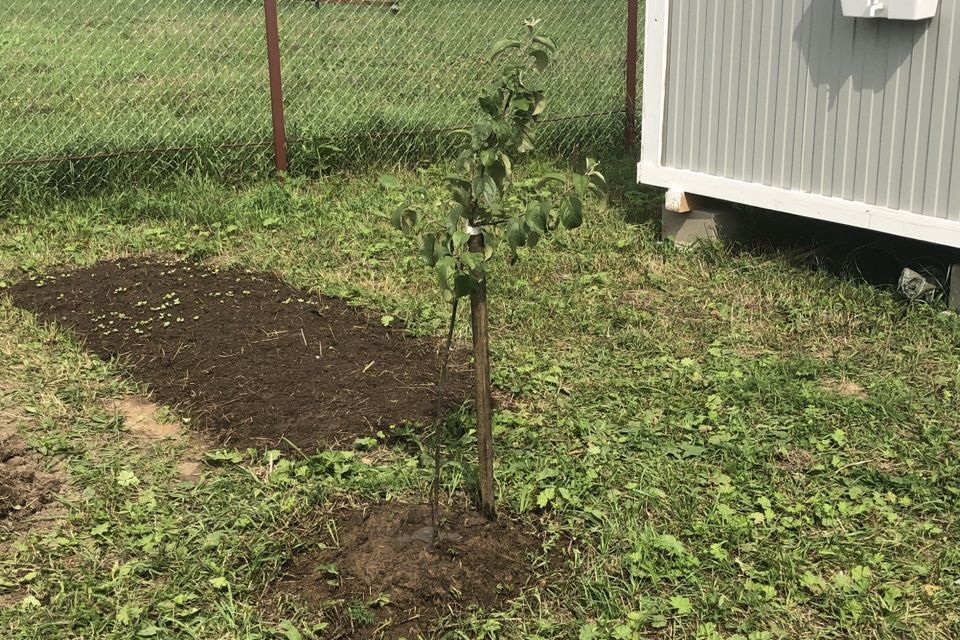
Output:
[[441, 387]]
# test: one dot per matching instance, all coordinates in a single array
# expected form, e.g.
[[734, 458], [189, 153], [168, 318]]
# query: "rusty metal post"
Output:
[[633, 15], [276, 84]]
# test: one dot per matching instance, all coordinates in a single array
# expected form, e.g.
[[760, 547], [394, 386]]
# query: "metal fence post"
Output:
[[276, 84], [630, 137]]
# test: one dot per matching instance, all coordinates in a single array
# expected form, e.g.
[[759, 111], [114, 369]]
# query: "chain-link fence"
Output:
[[123, 91]]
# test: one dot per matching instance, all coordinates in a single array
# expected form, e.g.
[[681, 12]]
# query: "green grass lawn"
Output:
[[720, 444], [97, 76]]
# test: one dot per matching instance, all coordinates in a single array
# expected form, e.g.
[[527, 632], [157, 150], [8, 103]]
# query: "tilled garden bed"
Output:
[[246, 355]]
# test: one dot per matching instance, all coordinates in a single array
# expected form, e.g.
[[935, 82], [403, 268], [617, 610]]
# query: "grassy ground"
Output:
[[97, 76], [723, 445]]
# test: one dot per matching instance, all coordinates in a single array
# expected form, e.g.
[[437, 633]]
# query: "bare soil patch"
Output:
[[25, 487], [845, 388], [143, 418], [146, 421], [248, 356], [382, 576], [797, 460]]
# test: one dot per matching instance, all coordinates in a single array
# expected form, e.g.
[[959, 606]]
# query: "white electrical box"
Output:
[[891, 9]]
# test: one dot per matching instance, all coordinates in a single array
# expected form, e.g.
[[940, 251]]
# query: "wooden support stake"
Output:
[[481, 356]]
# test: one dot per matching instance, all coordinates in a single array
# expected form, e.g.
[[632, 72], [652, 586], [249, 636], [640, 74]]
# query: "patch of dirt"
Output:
[[143, 418], [25, 487], [250, 357], [845, 388], [383, 577], [797, 460], [189, 470]]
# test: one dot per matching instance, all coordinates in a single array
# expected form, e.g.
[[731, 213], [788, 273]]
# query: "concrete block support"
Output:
[[954, 299], [700, 225]]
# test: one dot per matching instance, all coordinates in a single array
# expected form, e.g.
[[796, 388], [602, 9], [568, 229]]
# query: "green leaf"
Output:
[[507, 165], [389, 182], [460, 239], [551, 177], [127, 478], [506, 131], [503, 45], [541, 104], [582, 185], [536, 218], [223, 455], [428, 248], [588, 632], [490, 103], [458, 181], [408, 222], [396, 218], [126, 614], [540, 59], [482, 130], [489, 243], [499, 174], [681, 604], [461, 196], [454, 216], [219, 582], [404, 218], [464, 284], [546, 496], [485, 189], [571, 212], [289, 631], [526, 142], [546, 42], [446, 269], [515, 233], [474, 261]]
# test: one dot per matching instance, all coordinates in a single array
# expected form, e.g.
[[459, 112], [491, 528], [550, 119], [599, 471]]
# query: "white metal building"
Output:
[[842, 110]]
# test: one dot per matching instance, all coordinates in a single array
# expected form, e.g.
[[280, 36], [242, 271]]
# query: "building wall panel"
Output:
[[792, 94]]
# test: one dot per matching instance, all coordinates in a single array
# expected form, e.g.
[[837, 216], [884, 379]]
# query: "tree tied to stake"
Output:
[[484, 212]]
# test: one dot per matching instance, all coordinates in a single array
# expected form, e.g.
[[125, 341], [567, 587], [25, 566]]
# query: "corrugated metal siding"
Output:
[[791, 94]]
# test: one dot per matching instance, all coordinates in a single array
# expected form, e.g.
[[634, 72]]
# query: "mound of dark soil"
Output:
[[9, 492], [24, 486], [383, 577], [246, 354]]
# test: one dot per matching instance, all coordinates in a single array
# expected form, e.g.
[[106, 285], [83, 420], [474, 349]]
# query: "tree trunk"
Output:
[[481, 356]]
